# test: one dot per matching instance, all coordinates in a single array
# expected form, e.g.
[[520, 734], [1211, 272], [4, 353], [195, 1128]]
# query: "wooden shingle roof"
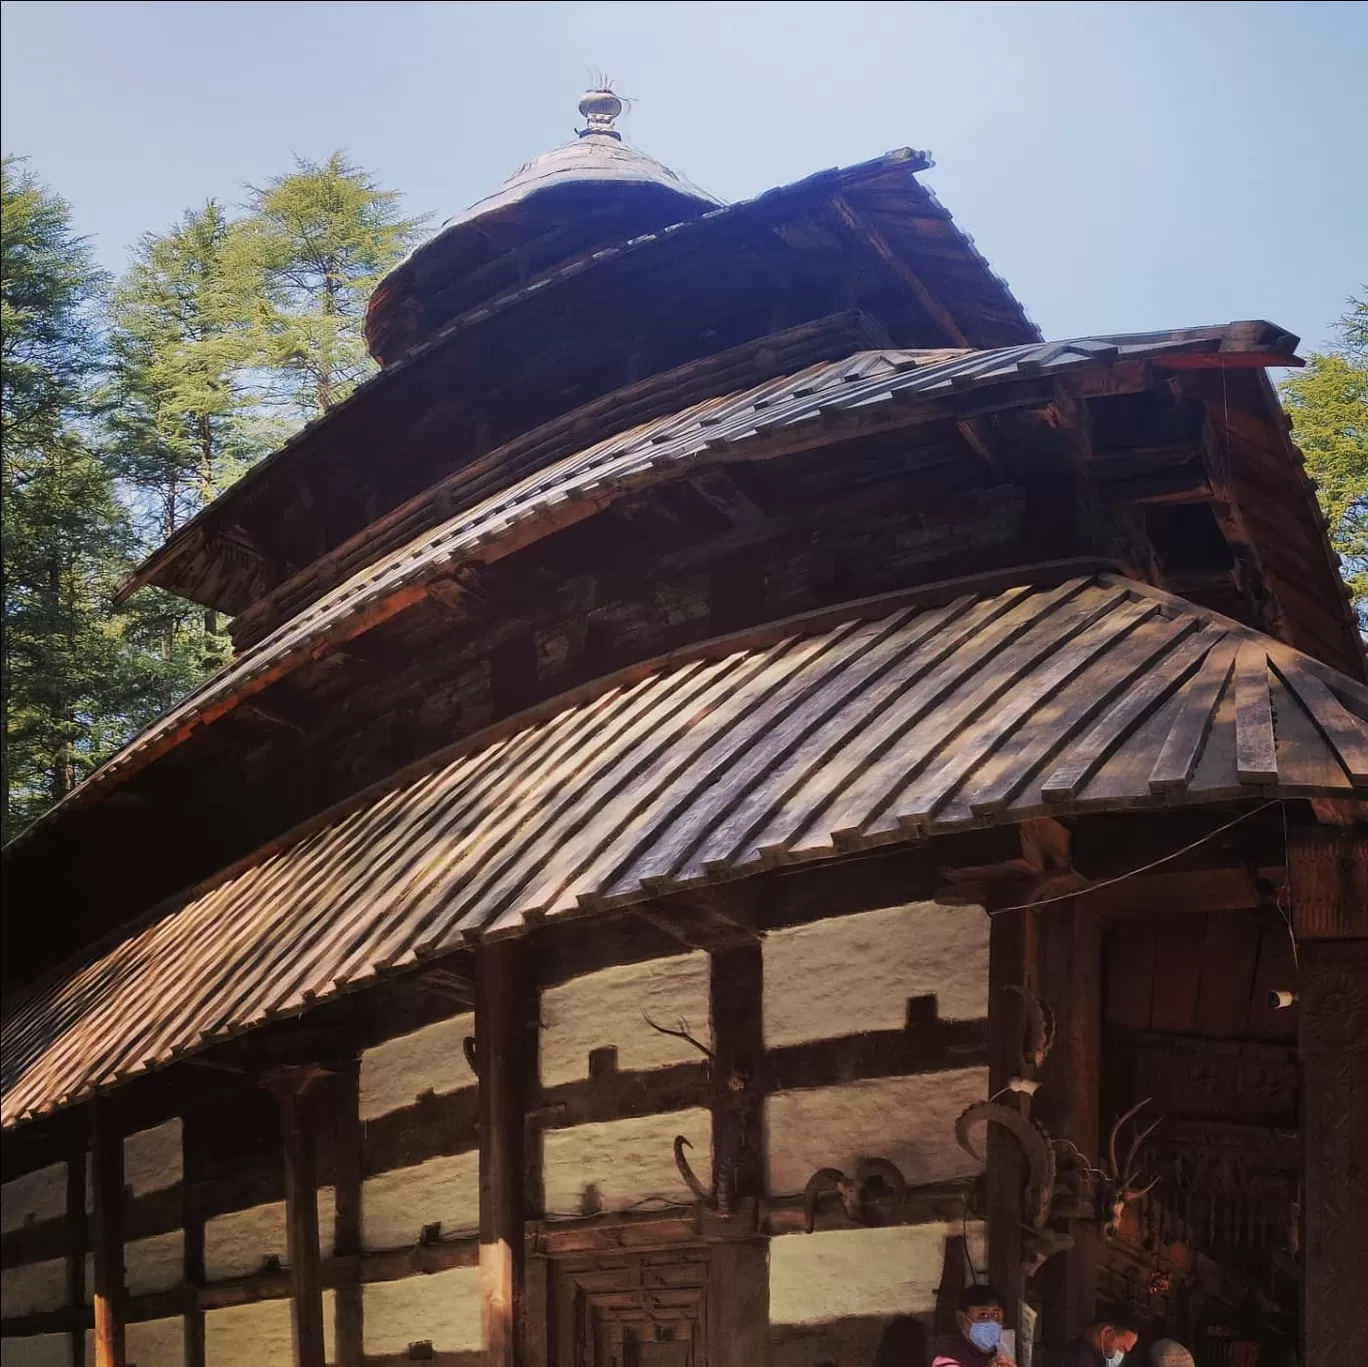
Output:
[[884, 721]]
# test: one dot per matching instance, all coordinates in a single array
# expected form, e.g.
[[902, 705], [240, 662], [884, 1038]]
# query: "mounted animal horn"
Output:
[[1124, 1175], [1039, 1035], [1034, 1144], [687, 1173], [822, 1183], [882, 1172]]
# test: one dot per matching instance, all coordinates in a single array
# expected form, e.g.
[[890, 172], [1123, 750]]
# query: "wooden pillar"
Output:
[[1011, 962], [347, 1228], [1328, 880], [740, 1296], [501, 1025], [1069, 982], [192, 1220], [78, 1235], [107, 1174], [299, 1142]]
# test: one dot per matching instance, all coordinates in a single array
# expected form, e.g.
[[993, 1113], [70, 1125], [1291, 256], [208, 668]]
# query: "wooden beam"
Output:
[[736, 985], [1069, 983], [347, 1152], [862, 228], [298, 1139], [107, 1172], [501, 1026], [77, 1237], [1011, 963], [1334, 1124]]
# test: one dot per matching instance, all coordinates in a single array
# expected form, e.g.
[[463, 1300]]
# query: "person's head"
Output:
[[1170, 1353], [979, 1313], [1114, 1334]]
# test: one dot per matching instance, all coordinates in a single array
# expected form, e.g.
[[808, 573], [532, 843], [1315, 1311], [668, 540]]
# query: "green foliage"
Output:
[[65, 534], [319, 240], [1329, 406], [223, 333]]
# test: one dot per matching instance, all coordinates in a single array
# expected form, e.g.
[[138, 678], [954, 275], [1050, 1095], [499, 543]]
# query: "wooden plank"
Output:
[[864, 230], [298, 1136], [1082, 761], [1182, 747], [1177, 972], [501, 1026], [1334, 1126], [1230, 958], [1256, 758], [1130, 953], [347, 1156], [192, 1192], [1345, 733], [107, 1173]]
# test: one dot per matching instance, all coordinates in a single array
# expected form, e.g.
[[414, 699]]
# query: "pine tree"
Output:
[[1329, 406], [320, 239], [181, 422], [65, 535]]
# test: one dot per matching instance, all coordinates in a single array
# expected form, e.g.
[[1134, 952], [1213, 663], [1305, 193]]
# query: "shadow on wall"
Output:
[[904, 1344]]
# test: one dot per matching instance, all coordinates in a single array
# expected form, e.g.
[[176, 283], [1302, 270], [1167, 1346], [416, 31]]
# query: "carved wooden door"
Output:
[[633, 1309]]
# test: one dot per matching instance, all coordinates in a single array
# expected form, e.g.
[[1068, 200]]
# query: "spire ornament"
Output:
[[600, 109]]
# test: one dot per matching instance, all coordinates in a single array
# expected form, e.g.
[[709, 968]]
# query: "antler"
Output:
[[687, 1173], [1034, 1144], [1123, 1176]]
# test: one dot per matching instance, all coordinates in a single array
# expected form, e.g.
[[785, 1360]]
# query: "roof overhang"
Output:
[[882, 722]]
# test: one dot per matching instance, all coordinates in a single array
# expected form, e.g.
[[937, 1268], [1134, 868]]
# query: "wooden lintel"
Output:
[[867, 233]]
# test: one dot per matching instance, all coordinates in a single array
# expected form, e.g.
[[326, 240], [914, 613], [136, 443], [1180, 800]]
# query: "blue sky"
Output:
[[1123, 166]]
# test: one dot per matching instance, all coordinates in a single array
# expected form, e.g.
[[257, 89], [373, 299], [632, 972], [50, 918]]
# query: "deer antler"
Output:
[[687, 1173], [1125, 1175]]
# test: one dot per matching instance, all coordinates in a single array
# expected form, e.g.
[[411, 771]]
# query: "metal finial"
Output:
[[600, 108]]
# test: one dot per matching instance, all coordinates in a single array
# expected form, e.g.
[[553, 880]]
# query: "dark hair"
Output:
[[979, 1293], [1119, 1317]]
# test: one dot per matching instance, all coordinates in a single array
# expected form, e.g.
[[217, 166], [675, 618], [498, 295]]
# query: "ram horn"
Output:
[[821, 1182], [1034, 1144], [880, 1169], [687, 1173]]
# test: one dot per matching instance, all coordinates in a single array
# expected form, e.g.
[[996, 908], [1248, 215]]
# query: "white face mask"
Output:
[[1115, 1358]]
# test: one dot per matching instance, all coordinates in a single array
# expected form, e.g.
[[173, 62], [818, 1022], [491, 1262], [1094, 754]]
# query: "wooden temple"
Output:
[[753, 791]]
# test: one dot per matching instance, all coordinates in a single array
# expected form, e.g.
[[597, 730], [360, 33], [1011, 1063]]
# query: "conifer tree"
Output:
[[181, 422], [1329, 406], [65, 687], [320, 239]]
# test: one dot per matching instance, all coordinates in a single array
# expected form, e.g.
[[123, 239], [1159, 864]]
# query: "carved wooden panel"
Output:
[[633, 1310]]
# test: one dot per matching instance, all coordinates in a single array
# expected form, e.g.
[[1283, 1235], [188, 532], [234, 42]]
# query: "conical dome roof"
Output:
[[572, 199]]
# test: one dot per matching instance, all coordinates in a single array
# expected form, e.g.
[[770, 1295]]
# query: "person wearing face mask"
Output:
[[1105, 1344], [978, 1316]]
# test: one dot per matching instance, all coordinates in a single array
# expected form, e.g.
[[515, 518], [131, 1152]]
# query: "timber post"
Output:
[[299, 1144], [1328, 882], [107, 1173], [347, 1223], [79, 1234], [1069, 983], [501, 987], [1011, 963]]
